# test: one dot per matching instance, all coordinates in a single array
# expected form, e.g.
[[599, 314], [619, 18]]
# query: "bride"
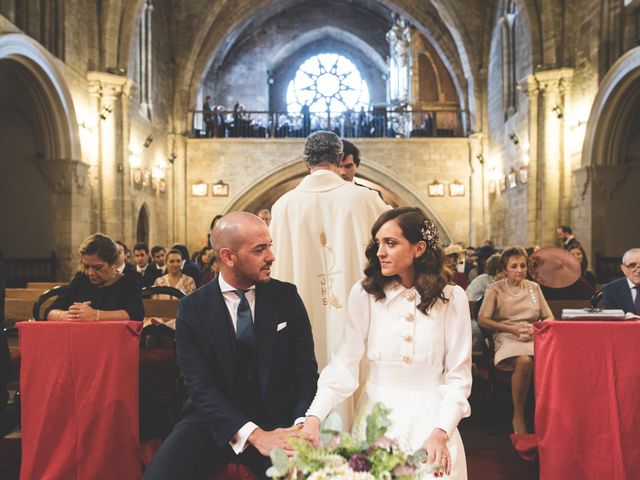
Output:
[[416, 331]]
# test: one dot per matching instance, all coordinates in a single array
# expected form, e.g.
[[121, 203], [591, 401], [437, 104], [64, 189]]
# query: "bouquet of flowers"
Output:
[[342, 457]]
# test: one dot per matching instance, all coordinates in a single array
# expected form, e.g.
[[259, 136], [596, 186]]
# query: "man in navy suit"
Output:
[[146, 271], [624, 293], [246, 352]]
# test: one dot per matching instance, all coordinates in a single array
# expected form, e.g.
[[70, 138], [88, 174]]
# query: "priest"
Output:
[[320, 231]]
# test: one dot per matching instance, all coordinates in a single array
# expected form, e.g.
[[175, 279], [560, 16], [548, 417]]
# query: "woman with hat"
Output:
[[452, 256], [509, 308]]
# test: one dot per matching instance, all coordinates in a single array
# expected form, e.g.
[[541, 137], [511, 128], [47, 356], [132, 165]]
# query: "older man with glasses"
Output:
[[624, 293]]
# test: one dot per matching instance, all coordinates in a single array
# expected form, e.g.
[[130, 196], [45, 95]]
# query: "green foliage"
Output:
[[377, 422]]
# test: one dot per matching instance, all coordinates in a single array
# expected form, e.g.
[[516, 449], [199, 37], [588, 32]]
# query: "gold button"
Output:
[[409, 317], [411, 296], [408, 338], [406, 359]]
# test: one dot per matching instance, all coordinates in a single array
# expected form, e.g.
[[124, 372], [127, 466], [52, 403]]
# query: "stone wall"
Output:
[[403, 167]]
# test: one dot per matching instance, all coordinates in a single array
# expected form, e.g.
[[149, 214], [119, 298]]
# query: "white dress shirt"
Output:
[[232, 300]]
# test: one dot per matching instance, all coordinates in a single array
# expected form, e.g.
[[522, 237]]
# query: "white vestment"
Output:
[[320, 231]]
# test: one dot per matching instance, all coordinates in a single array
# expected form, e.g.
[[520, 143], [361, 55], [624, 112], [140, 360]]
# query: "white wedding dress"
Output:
[[419, 366]]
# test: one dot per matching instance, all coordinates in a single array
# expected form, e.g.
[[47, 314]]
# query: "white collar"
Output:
[[632, 285], [225, 287], [321, 181]]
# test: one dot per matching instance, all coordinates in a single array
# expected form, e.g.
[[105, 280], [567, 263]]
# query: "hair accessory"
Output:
[[430, 233]]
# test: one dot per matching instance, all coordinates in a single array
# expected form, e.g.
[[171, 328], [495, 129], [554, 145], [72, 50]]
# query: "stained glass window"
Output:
[[327, 82]]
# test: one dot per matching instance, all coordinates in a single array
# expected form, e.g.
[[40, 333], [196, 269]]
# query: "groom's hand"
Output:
[[265, 441]]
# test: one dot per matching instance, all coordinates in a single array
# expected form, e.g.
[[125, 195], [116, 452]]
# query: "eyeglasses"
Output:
[[632, 266]]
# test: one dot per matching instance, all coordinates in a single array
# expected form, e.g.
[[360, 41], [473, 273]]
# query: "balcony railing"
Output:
[[376, 123]]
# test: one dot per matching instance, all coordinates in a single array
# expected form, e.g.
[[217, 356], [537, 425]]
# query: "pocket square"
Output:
[[281, 326]]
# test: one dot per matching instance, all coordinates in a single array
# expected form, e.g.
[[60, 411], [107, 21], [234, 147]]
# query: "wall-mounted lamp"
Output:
[[436, 189], [199, 189], [172, 158], [220, 189], [514, 138], [557, 109], [512, 178], [147, 141], [106, 111], [270, 79], [456, 189], [480, 158]]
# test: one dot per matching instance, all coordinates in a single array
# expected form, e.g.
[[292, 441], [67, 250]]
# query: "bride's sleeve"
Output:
[[339, 379], [457, 363]]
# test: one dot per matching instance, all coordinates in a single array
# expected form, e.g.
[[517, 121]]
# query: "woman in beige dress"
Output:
[[174, 278], [509, 308]]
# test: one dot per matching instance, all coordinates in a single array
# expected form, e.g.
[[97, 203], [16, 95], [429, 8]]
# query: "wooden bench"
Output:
[[160, 308], [44, 286], [24, 293]]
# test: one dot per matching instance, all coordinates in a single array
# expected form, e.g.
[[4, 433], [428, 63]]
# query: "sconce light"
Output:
[[480, 158], [514, 138], [512, 178], [523, 174], [503, 183], [557, 109], [456, 189], [220, 189], [106, 111], [172, 158], [436, 189], [147, 141], [199, 189], [270, 79]]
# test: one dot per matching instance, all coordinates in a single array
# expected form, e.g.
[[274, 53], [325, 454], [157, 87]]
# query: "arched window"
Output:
[[327, 83]]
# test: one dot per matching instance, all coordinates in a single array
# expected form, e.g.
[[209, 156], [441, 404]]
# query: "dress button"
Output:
[[406, 359], [411, 296], [409, 317], [408, 338]]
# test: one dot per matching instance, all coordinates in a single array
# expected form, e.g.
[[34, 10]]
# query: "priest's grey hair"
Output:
[[323, 148]]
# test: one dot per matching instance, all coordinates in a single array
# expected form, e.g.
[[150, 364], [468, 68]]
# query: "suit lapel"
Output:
[[628, 299], [265, 328], [217, 323]]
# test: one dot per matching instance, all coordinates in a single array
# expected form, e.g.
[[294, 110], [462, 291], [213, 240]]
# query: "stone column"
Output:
[[111, 93], [70, 198], [549, 170]]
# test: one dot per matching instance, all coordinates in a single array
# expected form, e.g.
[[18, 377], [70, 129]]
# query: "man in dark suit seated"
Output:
[[246, 352], [145, 269], [624, 293]]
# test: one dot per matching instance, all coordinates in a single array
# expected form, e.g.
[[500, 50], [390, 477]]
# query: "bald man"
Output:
[[246, 352]]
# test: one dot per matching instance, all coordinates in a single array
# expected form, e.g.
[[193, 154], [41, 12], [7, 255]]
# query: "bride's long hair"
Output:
[[429, 273]]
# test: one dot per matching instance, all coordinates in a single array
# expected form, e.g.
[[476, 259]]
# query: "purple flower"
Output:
[[359, 463]]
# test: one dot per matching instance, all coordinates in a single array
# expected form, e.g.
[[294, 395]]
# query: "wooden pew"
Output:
[[24, 293], [17, 310], [160, 308], [44, 286]]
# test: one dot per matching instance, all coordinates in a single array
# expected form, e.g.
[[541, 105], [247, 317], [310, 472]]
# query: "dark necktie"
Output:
[[244, 325], [636, 303]]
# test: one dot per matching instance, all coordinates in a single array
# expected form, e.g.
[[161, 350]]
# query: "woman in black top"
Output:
[[99, 292]]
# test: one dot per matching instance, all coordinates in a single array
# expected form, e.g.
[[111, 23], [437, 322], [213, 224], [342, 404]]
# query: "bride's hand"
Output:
[[311, 429], [436, 447]]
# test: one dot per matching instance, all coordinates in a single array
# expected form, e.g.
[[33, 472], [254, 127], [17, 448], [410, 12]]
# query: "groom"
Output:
[[246, 352]]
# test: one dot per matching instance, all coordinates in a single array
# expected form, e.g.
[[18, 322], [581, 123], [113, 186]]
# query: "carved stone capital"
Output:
[[107, 85], [64, 175]]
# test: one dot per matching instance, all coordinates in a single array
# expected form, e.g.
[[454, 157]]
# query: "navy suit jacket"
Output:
[[287, 368], [617, 294], [149, 276]]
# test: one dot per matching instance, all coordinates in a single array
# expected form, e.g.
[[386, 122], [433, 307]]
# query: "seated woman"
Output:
[[174, 278], [509, 308], [580, 255], [99, 291], [478, 285], [412, 326]]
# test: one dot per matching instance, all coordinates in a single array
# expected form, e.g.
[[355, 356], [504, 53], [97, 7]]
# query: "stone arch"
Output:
[[610, 169], [294, 170], [49, 155], [617, 100]]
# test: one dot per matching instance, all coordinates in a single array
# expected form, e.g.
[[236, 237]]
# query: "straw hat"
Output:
[[453, 249]]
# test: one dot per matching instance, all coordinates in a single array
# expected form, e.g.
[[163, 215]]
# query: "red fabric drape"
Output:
[[587, 381], [79, 387]]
